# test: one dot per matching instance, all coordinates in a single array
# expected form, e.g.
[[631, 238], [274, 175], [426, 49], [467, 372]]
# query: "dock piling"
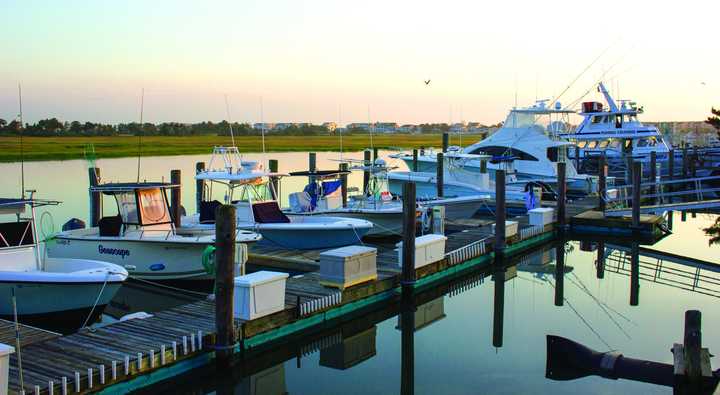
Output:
[[499, 211], [653, 174], [344, 183], [415, 160], [366, 172], [602, 182], [692, 343], [64, 386], [199, 186], [445, 141], [95, 197], [224, 284], [375, 154], [113, 370], [636, 186], [562, 194], [577, 158], [273, 168], [408, 242], [312, 165], [175, 197], [440, 175], [101, 369]]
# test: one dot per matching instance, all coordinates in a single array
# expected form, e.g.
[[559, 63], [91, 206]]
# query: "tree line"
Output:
[[54, 127]]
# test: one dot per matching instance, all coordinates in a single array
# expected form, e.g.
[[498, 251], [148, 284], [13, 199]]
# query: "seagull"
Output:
[[702, 83], [427, 82]]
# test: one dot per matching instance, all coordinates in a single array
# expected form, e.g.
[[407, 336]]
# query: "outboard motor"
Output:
[[73, 224]]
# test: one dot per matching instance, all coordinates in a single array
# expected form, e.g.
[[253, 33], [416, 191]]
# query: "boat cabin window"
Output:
[[16, 233], [615, 144], [581, 144], [597, 119], [603, 144], [504, 151], [591, 144], [152, 203], [618, 121]]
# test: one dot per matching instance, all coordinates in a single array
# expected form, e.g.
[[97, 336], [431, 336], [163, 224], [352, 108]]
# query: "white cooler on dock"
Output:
[[511, 228], [428, 249], [541, 216], [5, 352], [259, 294], [347, 266]]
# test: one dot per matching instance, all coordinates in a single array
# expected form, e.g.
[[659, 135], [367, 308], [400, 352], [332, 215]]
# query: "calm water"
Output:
[[453, 347]]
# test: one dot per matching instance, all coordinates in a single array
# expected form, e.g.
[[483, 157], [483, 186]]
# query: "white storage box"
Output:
[[511, 228], [5, 352], [428, 249], [347, 266], [259, 294], [541, 216]]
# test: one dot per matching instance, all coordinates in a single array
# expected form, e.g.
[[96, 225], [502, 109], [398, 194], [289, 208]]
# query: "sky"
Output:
[[340, 61]]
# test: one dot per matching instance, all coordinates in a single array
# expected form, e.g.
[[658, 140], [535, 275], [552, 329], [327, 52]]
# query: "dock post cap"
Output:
[[6, 350]]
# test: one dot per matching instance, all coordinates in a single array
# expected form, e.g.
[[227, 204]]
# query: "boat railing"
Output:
[[666, 191]]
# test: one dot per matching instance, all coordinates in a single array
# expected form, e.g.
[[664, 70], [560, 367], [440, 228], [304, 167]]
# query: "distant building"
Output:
[[407, 128], [385, 127], [458, 128], [283, 125], [265, 126], [355, 125]]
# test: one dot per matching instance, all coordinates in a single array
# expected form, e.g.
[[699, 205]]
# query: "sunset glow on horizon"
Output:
[[343, 62]]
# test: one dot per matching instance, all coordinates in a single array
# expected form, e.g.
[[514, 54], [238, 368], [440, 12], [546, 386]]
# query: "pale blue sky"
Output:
[[88, 60]]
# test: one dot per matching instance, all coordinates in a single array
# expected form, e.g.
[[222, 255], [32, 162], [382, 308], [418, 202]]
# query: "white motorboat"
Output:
[[249, 189], [46, 289], [526, 136], [142, 238], [377, 204]]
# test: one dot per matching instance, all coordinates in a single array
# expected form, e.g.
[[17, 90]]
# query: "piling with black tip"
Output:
[[176, 197], [199, 186], [498, 303], [273, 166], [224, 282], [344, 183], [408, 235], [562, 193], [602, 183], [636, 189], [95, 197], [499, 211], [440, 175]]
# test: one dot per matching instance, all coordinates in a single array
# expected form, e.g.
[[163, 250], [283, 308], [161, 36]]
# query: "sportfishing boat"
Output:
[[377, 204], [526, 135], [142, 237], [249, 188], [46, 289]]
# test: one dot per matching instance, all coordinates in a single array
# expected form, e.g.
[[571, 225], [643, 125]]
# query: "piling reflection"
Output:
[[560, 274], [634, 275]]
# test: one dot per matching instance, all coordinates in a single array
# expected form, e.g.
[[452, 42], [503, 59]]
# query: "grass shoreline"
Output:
[[68, 148]]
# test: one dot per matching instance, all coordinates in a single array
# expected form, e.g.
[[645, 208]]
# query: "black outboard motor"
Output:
[[73, 223]]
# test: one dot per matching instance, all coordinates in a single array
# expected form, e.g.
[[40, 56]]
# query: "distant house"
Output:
[[407, 128], [386, 127], [458, 128], [355, 125], [263, 126], [283, 125]]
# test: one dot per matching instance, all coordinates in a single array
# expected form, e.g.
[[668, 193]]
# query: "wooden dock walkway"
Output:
[[182, 338]]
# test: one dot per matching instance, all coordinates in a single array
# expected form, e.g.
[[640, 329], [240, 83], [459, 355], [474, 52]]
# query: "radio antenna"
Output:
[[140, 132], [22, 153], [227, 111]]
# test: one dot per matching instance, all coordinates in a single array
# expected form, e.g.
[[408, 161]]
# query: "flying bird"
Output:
[[427, 82]]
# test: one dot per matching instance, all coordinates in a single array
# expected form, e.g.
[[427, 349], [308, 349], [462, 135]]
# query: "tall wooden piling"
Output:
[[685, 160], [499, 211], [600, 262], [445, 141], [692, 344], [498, 304], [224, 283], [273, 166], [560, 273], [375, 154], [634, 274], [415, 160], [636, 189], [562, 193], [577, 158], [199, 186], [653, 174], [366, 173], [602, 183], [440, 174], [344, 183], [312, 165], [176, 197], [95, 197], [408, 235]]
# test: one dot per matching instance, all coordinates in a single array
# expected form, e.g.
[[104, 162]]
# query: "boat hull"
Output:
[[385, 222], [143, 259], [35, 299], [311, 238]]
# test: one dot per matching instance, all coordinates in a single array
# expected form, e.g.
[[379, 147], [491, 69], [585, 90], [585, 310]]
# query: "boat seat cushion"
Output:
[[13, 232], [110, 226], [207, 211], [269, 213]]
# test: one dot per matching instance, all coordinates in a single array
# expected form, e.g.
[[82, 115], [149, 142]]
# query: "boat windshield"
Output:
[[153, 207], [519, 120], [127, 207]]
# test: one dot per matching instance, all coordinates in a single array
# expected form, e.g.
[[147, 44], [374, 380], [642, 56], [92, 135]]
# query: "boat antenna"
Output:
[[584, 71], [338, 127], [370, 128], [262, 123], [227, 112], [22, 152], [140, 131]]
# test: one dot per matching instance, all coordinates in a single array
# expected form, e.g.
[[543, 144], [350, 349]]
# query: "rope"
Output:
[[208, 260], [583, 320], [153, 283], [107, 276]]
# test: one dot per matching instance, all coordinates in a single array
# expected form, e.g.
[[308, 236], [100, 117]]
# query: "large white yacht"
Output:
[[529, 137]]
